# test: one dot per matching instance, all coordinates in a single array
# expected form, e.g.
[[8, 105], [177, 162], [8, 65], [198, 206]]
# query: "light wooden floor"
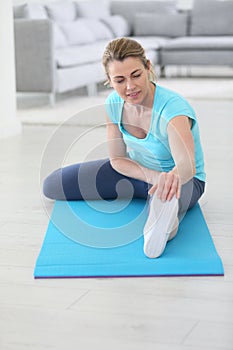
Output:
[[190, 313]]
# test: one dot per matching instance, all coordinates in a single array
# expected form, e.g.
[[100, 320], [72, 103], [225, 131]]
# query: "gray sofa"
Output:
[[58, 45]]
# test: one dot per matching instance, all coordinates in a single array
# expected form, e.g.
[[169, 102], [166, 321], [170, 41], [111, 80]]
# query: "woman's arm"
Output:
[[123, 164], [182, 149]]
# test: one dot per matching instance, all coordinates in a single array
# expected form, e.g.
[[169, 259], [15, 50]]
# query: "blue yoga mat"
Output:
[[105, 239]]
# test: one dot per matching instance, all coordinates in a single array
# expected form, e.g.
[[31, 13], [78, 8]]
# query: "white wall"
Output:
[[9, 125]]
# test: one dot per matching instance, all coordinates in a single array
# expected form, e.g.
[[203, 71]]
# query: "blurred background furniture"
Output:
[[59, 45]]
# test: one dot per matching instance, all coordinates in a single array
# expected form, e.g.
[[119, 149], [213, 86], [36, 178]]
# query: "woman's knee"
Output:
[[52, 186], [190, 194]]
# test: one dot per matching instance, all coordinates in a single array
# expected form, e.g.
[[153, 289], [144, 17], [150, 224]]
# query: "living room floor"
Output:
[[178, 313]]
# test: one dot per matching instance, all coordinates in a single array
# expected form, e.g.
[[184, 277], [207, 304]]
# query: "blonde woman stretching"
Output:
[[153, 141]]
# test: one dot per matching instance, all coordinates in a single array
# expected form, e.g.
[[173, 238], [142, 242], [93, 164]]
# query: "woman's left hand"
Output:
[[168, 185]]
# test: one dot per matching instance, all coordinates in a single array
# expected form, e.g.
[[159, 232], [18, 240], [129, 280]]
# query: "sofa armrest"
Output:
[[34, 55]]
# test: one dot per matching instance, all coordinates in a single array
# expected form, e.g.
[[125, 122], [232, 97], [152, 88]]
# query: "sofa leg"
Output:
[[189, 71], [179, 71], [52, 99], [92, 89], [162, 71]]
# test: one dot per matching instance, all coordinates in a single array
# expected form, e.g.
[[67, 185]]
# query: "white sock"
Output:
[[162, 220]]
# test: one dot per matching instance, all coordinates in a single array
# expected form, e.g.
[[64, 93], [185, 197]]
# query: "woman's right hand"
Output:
[[168, 185]]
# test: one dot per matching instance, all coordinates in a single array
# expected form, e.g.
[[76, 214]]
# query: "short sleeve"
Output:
[[174, 107], [114, 106]]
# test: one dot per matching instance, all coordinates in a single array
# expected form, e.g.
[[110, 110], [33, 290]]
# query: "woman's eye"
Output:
[[137, 76], [119, 81]]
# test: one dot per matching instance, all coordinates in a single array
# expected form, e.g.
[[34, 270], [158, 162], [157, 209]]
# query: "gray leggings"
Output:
[[98, 180]]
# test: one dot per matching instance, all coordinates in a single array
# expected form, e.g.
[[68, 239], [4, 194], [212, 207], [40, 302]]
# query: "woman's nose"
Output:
[[130, 85]]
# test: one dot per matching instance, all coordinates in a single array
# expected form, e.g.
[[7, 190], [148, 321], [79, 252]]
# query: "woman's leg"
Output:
[[164, 217], [190, 194], [92, 180]]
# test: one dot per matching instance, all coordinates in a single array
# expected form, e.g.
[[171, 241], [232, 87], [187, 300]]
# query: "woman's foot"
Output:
[[161, 225], [173, 233]]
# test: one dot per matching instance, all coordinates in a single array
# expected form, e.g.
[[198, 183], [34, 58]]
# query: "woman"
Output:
[[153, 141]]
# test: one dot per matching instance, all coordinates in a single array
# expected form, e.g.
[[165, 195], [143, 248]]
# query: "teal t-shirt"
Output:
[[153, 151]]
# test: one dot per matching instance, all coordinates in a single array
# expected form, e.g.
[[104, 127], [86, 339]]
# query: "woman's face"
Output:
[[131, 81]]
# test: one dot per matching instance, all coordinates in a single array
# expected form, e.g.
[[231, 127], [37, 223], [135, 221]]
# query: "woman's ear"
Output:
[[149, 69], [109, 81], [151, 72]]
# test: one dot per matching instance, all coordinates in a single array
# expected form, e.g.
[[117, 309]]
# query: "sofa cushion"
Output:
[[77, 76], [36, 11], [77, 32], [169, 25], [128, 9], [117, 24], [92, 9], [212, 17], [60, 39], [151, 42], [19, 11], [63, 11], [99, 30], [200, 43], [77, 55]]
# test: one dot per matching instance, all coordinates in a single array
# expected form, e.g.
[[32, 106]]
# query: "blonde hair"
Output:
[[121, 48]]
